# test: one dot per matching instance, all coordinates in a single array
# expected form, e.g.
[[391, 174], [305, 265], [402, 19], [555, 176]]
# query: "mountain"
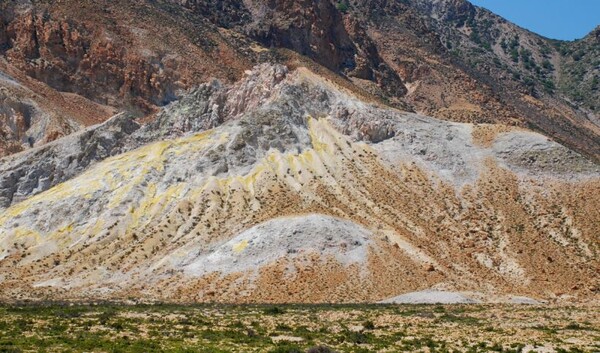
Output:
[[464, 63], [293, 151], [292, 188], [443, 58], [98, 58]]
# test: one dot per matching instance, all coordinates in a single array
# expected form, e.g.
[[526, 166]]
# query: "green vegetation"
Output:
[[342, 7], [291, 328], [580, 72]]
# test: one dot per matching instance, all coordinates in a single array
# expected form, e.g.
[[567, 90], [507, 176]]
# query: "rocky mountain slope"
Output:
[[463, 63], [579, 77], [285, 187], [70, 64], [97, 58], [285, 151]]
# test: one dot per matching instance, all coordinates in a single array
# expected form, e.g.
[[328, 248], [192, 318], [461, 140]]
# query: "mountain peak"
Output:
[[595, 33]]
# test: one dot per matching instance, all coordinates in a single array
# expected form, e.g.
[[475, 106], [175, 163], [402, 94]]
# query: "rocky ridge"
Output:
[[447, 59]]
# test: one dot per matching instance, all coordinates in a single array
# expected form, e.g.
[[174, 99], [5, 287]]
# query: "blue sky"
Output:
[[557, 19]]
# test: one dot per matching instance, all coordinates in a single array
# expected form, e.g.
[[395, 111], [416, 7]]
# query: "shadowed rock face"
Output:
[[224, 13], [78, 58], [311, 28], [287, 187], [18, 118], [316, 29]]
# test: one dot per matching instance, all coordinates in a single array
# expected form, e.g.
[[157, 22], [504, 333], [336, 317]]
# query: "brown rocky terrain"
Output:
[[96, 53], [463, 63]]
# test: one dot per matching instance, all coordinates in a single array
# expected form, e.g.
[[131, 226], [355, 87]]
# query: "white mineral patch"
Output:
[[523, 300], [285, 338], [288, 237], [446, 149], [4, 78], [54, 282], [437, 296], [431, 297]]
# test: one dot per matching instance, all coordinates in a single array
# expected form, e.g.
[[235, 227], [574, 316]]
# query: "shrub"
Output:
[[595, 84], [514, 54], [274, 310], [549, 86], [369, 325], [286, 348], [546, 64], [320, 349], [342, 7]]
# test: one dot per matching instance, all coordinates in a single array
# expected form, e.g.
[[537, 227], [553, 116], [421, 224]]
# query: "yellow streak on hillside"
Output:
[[239, 247], [119, 175], [323, 138], [20, 233]]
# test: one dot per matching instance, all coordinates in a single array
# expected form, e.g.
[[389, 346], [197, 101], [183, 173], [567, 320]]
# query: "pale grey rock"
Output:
[[285, 238], [523, 300], [431, 297], [33, 171]]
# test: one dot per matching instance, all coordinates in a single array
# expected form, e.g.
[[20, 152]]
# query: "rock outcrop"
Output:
[[37, 170], [79, 63], [79, 58]]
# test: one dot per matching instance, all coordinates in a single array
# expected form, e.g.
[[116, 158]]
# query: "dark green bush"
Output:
[[369, 325], [274, 310], [320, 349], [286, 348], [342, 7]]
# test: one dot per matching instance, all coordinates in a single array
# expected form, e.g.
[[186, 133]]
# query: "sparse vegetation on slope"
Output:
[[580, 71]]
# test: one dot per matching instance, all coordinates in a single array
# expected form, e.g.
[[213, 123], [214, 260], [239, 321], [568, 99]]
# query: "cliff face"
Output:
[[76, 64], [82, 59], [316, 29], [110, 64]]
